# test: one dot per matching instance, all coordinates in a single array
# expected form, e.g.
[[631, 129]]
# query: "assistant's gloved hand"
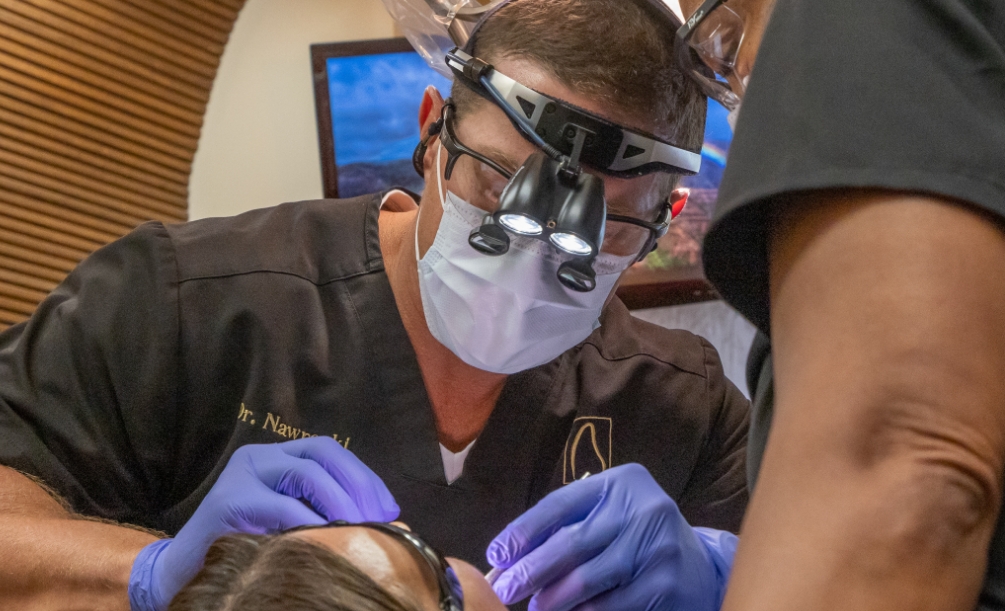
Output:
[[614, 541], [260, 491]]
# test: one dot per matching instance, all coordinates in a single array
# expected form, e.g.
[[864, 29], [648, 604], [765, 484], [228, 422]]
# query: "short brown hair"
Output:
[[620, 52], [281, 573]]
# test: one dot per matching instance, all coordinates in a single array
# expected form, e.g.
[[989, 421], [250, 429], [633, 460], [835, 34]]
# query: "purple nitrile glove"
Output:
[[612, 542], [260, 491]]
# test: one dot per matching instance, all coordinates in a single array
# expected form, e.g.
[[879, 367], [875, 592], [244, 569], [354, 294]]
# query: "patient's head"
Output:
[[336, 568]]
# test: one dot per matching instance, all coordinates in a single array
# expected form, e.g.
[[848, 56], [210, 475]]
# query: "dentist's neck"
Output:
[[462, 396]]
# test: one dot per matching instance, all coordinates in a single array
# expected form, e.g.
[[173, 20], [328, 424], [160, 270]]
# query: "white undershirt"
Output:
[[453, 464]]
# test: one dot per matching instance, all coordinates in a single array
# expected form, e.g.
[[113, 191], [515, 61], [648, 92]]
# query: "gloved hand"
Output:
[[260, 491], [612, 541]]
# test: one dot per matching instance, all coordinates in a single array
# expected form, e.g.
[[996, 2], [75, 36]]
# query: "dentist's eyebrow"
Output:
[[501, 157]]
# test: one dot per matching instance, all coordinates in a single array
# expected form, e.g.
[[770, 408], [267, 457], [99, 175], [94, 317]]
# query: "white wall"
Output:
[[259, 142], [721, 325]]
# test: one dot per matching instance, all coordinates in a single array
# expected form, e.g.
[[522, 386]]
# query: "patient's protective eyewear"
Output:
[[451, 595]]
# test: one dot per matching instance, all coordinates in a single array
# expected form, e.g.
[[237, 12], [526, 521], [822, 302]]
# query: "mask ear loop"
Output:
[[439, 175], [439, 188]]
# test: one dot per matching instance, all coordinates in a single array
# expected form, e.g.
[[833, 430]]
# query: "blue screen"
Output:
[[375, 106]]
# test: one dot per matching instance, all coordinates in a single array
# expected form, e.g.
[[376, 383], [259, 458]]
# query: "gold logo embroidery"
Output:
[[588, 448]]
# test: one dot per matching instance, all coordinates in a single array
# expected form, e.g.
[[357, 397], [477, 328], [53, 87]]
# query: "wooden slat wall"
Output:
[[101, 103]]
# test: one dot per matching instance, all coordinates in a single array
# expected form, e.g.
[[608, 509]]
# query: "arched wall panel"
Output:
[[101, 106]]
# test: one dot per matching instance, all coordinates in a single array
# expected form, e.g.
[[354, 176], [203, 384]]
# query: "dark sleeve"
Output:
[[87, 384], [761, 382], [716, 495], [906, 95]]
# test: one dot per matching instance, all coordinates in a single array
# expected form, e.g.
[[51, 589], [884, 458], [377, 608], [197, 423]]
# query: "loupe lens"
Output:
[[519, 223], [572, 244]]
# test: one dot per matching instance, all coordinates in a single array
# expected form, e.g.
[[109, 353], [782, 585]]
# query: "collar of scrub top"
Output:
[[553, 125], [451, 594]]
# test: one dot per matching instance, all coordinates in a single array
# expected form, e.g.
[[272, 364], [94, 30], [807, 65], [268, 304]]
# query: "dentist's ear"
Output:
[[678, 199], [430, 111], [430, 108]]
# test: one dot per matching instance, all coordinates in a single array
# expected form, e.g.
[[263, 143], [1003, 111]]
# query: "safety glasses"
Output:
[[712, 37], [451, 595]]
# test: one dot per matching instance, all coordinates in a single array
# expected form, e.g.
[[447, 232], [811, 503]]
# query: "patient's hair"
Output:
[[620, 52], [278, 573]]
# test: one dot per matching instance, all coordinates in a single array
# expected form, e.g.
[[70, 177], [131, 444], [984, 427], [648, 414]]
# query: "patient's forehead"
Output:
[[384, 559], [401, 571]]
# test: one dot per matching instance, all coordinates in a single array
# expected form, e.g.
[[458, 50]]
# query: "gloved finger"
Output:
[[367, 490], [269, 512], [302, 478], [603, 577], [721, 546], [562, 507], [567, 549], [620, 599]]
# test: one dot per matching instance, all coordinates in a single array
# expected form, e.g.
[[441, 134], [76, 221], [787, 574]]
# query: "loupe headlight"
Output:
[[547, 201], [520, 223], [571, 243], [525, 205], [579, 221], [544, 201]]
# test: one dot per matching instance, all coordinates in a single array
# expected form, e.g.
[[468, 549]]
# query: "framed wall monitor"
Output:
[[367, 97]]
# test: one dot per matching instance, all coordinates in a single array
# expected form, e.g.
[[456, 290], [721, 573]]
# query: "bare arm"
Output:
[[881, 482], [51, 559]]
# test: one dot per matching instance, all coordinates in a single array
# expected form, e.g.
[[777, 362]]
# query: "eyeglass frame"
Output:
[[451, 594], [444, 128], [685, 32]]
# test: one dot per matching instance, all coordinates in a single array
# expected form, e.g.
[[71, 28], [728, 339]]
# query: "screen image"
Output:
[[374, 109], [368, 95], [678, 254]]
